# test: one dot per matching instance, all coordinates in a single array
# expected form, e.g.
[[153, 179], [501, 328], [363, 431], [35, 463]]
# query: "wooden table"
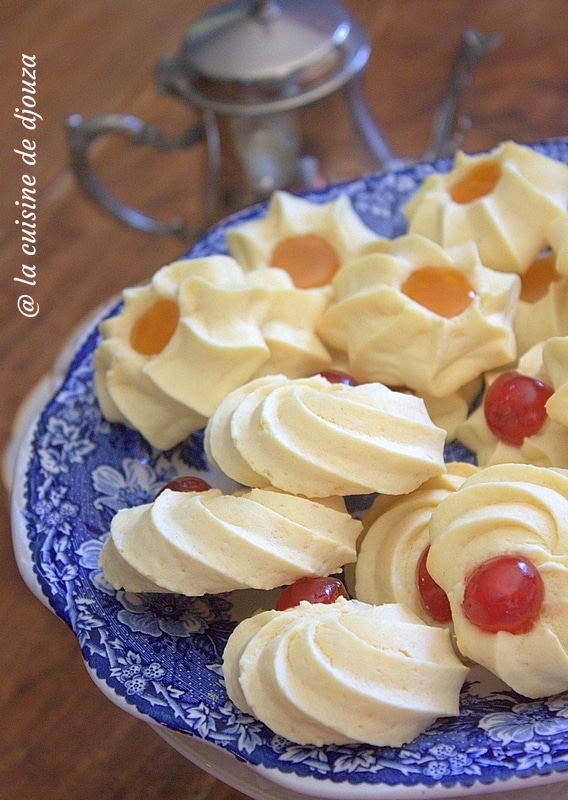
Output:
[[60, 738]]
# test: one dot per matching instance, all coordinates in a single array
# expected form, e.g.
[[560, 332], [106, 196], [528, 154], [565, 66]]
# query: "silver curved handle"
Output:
[[444, 138], [446, 135], [83, 133]]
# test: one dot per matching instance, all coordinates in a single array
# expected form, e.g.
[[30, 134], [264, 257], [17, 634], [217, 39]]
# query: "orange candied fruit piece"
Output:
[[537, 279], [479, 181], [443, 290], [154, 328], [310, 259]]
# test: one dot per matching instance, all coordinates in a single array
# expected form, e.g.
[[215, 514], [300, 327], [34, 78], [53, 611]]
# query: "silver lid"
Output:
[[261, 56]]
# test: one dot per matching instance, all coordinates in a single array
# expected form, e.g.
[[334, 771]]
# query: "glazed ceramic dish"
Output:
[[159, 656]]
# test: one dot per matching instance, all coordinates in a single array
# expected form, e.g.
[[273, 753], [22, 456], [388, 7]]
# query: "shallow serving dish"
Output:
[[158, 656]]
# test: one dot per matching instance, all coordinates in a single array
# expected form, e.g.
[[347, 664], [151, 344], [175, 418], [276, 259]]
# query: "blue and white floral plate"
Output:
[[159, 656]]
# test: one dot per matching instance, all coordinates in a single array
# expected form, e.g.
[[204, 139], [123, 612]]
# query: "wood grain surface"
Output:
[[60, 738]]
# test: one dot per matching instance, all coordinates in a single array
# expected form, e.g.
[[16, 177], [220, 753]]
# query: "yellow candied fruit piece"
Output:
[[443, 290], [479, 181], [154, 328], [537, 279], [310, 260]]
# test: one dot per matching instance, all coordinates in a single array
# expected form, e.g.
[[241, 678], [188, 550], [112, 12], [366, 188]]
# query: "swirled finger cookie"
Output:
[[206, 542], [343, 672], [316, 438]]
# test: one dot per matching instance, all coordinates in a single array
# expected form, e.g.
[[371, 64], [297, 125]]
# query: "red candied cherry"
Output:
[[515, 406], [504, 593], [332, 376], [433, 597], [314, 589], [185, 483]]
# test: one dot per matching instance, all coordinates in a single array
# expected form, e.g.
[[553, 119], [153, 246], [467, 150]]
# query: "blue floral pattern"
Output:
[[162, 653]]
